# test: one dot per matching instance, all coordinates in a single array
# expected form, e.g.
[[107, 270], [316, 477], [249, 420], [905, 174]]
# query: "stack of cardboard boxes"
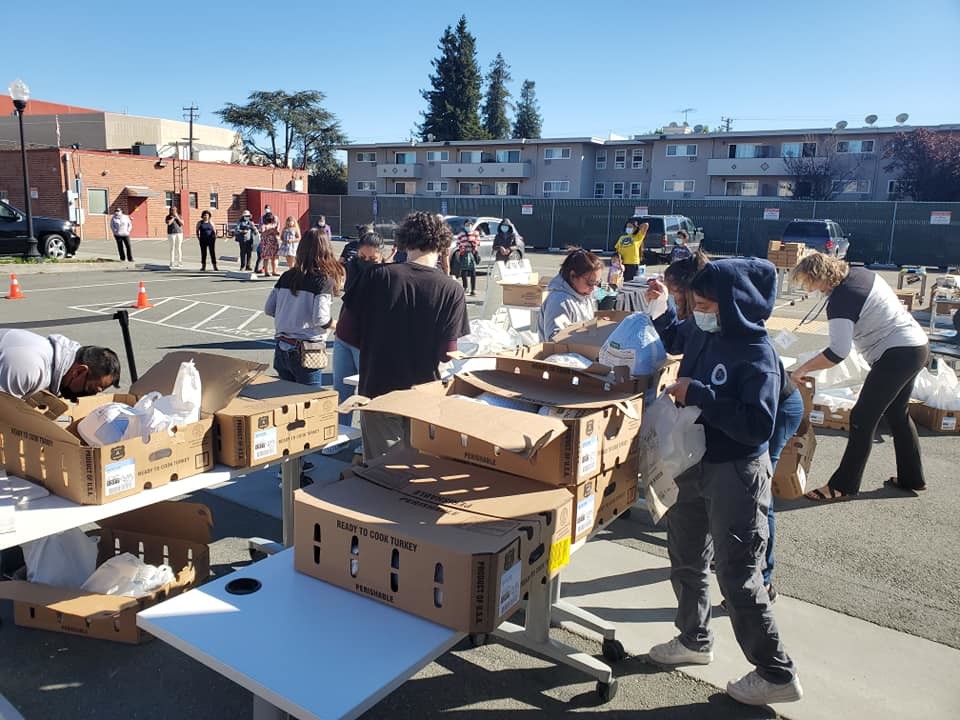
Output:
[[529, 292], [940, 421], [785, 254], [790, 478]]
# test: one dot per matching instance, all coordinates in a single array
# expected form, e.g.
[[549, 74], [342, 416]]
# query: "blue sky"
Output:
[[624, 67]]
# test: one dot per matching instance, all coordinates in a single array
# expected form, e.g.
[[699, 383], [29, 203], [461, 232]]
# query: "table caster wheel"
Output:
[[478, 639], [607, 691], [613, 650]]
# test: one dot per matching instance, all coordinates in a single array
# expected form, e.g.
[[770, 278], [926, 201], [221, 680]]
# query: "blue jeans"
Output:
[[789, 417], [286, 361], [346, 362]]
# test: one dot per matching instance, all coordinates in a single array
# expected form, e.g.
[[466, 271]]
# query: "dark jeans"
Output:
[[721, 512], [123, 242], [256, 267], [208, 245], [469, 273], [886, 392], [246, 250], [286, 361], [789, 417], [629, 272]]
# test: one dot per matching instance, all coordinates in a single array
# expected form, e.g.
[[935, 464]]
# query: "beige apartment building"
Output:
[[680, 165]]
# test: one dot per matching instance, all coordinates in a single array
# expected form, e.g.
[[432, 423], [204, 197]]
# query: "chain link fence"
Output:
[[903, 233]]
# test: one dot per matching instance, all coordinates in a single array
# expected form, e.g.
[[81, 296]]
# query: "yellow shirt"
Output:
[[630, 247]]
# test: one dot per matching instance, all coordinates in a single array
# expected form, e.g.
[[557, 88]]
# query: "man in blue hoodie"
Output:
[[732, 373]]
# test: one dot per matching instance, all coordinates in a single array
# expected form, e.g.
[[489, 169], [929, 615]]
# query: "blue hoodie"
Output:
[[736, 374]]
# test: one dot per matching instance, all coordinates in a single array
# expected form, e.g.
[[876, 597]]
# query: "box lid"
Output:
[[20, 415], [221, 377], [592, 332], [512, 431], [181, 520], [270, 393], [69, 601]]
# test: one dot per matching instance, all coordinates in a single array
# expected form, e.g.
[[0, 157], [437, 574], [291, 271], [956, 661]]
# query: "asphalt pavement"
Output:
[[891, 560]]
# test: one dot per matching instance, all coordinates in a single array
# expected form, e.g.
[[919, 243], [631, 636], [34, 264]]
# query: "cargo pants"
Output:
[[721, 512]]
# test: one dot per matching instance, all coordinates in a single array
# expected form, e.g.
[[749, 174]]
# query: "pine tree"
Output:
[[454, 98], [528, 123], [495, 120]]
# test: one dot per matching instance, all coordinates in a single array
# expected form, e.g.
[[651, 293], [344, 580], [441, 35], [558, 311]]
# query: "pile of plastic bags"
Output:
[[838, 387], [938, 388], [635, 344]]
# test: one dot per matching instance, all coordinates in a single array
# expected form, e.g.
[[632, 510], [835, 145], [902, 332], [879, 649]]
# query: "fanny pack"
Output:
[[313, 353]]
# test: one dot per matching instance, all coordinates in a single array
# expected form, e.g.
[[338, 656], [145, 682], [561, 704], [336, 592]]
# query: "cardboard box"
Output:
[[49, 451], [444, 564], [597, 430], [940, 421], [592, 333], [171, 533], [619, 377], [272, 418], [822, 416], [526, 295], [601, 499], [807, 388], [790, 478]]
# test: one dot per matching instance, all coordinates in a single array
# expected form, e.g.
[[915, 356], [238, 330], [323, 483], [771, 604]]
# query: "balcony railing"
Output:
[[400, 170], [489, 170]]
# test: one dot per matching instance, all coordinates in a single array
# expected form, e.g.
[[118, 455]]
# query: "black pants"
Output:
[[629, 272], [123, 242], [885, 393], [472, 274], [256, 267], [246, 251], [208, 244]]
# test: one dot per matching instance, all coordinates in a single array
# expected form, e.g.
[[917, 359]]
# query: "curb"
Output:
[[64, 267]]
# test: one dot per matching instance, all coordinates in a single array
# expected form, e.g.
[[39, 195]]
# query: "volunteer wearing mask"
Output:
[[466, 256], [731, 372], [864, 312], [630, 248], [571, 299], [324, 228], [505, 240]]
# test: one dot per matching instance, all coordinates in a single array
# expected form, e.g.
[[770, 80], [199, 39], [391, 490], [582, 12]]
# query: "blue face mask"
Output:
[[706, 321]]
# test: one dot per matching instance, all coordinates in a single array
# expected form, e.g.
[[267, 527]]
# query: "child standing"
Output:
[[615, 273], [289, 241]]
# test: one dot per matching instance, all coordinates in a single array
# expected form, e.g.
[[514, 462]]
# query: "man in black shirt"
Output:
[[409, 316]]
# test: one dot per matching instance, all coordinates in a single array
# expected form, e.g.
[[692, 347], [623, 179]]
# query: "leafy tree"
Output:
[[328, 177], [528, 123], [284, 129], [454, 98], [928, 162], [495, 120], [815, 177]]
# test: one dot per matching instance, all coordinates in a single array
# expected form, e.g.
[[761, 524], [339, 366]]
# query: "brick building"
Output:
[[86, 186]]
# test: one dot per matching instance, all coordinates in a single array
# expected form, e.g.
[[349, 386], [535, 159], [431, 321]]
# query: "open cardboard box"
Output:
[[603, 498], [790, 478], [48, 451], [450, 566], [272, 418], [171, 533], [598, 428], [940, 421]]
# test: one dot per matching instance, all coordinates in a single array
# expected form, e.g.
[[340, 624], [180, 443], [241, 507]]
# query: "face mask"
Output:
[[504, 228], [321, 224], [706, 321]]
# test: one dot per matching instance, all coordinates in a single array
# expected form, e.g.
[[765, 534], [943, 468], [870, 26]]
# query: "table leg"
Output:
[[290, 471]]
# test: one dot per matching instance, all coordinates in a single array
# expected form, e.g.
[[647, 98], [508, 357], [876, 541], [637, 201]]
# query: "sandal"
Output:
[[894, 483], [819, 496]]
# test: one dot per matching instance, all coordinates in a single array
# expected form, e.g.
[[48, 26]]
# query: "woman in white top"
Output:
[[863, 311], [289, 241]]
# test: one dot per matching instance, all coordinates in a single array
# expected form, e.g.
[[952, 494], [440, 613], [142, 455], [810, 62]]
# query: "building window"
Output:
[[743, 188], [807, 149], [193, 201], [214, 201], [637, 162], [96, 201], [617, 190], [4, 195], [471, 156], [556, 153], [749, 151], [508, 156], [854, 186], [438, 155], [366, 185], [506, 188], [855, 146], [635, 188], [620, 159], [168, 198], [471, 188], [405, 158], [556, 186], [601, 162], [681, 150], [235, 202], [678, 185], [437, 186], [895, 189], [784, 188], [404, 188], [599, 190], [369, 157]]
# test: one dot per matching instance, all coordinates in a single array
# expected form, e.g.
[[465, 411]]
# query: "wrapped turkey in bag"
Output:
[[635, 344], [670, 443], [66, 559], [183, 406]]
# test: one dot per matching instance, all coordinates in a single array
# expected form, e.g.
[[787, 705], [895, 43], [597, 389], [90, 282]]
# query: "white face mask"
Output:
[[323, 224], [630, 230], [706, 321]]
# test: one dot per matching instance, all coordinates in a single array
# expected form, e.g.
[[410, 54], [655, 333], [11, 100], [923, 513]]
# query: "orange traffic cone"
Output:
[[15, 293], [142, 302]]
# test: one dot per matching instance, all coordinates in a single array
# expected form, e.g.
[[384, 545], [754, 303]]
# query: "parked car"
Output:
[[662, 235], [486, 227], [824, 236], [55, 238]]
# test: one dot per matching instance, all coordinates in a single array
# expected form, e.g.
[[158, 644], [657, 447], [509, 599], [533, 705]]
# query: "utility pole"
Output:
[[193, 111], [726, 122]]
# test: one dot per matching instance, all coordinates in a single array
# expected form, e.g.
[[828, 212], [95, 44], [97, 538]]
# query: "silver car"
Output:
[[486, 228]]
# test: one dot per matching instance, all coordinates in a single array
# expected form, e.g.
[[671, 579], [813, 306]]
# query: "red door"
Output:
[[137, 210]]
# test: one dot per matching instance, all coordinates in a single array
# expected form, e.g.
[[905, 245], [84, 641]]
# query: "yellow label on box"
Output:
[[559, 554]]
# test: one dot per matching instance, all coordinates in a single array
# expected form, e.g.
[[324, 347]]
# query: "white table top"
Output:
[[309, 648]]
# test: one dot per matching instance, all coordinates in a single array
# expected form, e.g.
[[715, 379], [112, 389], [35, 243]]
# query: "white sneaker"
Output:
[[752, 689], [676, 653]]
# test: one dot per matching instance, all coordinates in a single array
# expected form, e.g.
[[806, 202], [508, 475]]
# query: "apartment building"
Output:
[[681, 165]]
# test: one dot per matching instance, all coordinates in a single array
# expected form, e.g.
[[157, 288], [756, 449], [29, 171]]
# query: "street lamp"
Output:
[[20, 93]]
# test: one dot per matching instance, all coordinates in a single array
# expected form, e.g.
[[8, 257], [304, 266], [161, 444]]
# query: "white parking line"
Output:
[[206, 320], [250, 319], [158, 303], [181, 310]]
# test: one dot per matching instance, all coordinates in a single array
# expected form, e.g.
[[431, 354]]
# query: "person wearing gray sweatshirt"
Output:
[[570, 298]]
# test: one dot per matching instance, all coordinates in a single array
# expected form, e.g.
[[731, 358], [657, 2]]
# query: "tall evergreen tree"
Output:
[[495, 120], [528, 123], [454, 98]]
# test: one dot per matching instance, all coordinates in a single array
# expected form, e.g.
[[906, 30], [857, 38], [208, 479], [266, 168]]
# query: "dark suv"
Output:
[[824, 236], [55, 238]]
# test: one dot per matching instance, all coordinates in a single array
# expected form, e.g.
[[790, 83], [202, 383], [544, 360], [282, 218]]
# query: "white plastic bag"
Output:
[[488, 337], [670, 443], [939, 390], [183, 406], [128, 575], [573, 360], [852, 371], [634, 343], [65, 559]]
